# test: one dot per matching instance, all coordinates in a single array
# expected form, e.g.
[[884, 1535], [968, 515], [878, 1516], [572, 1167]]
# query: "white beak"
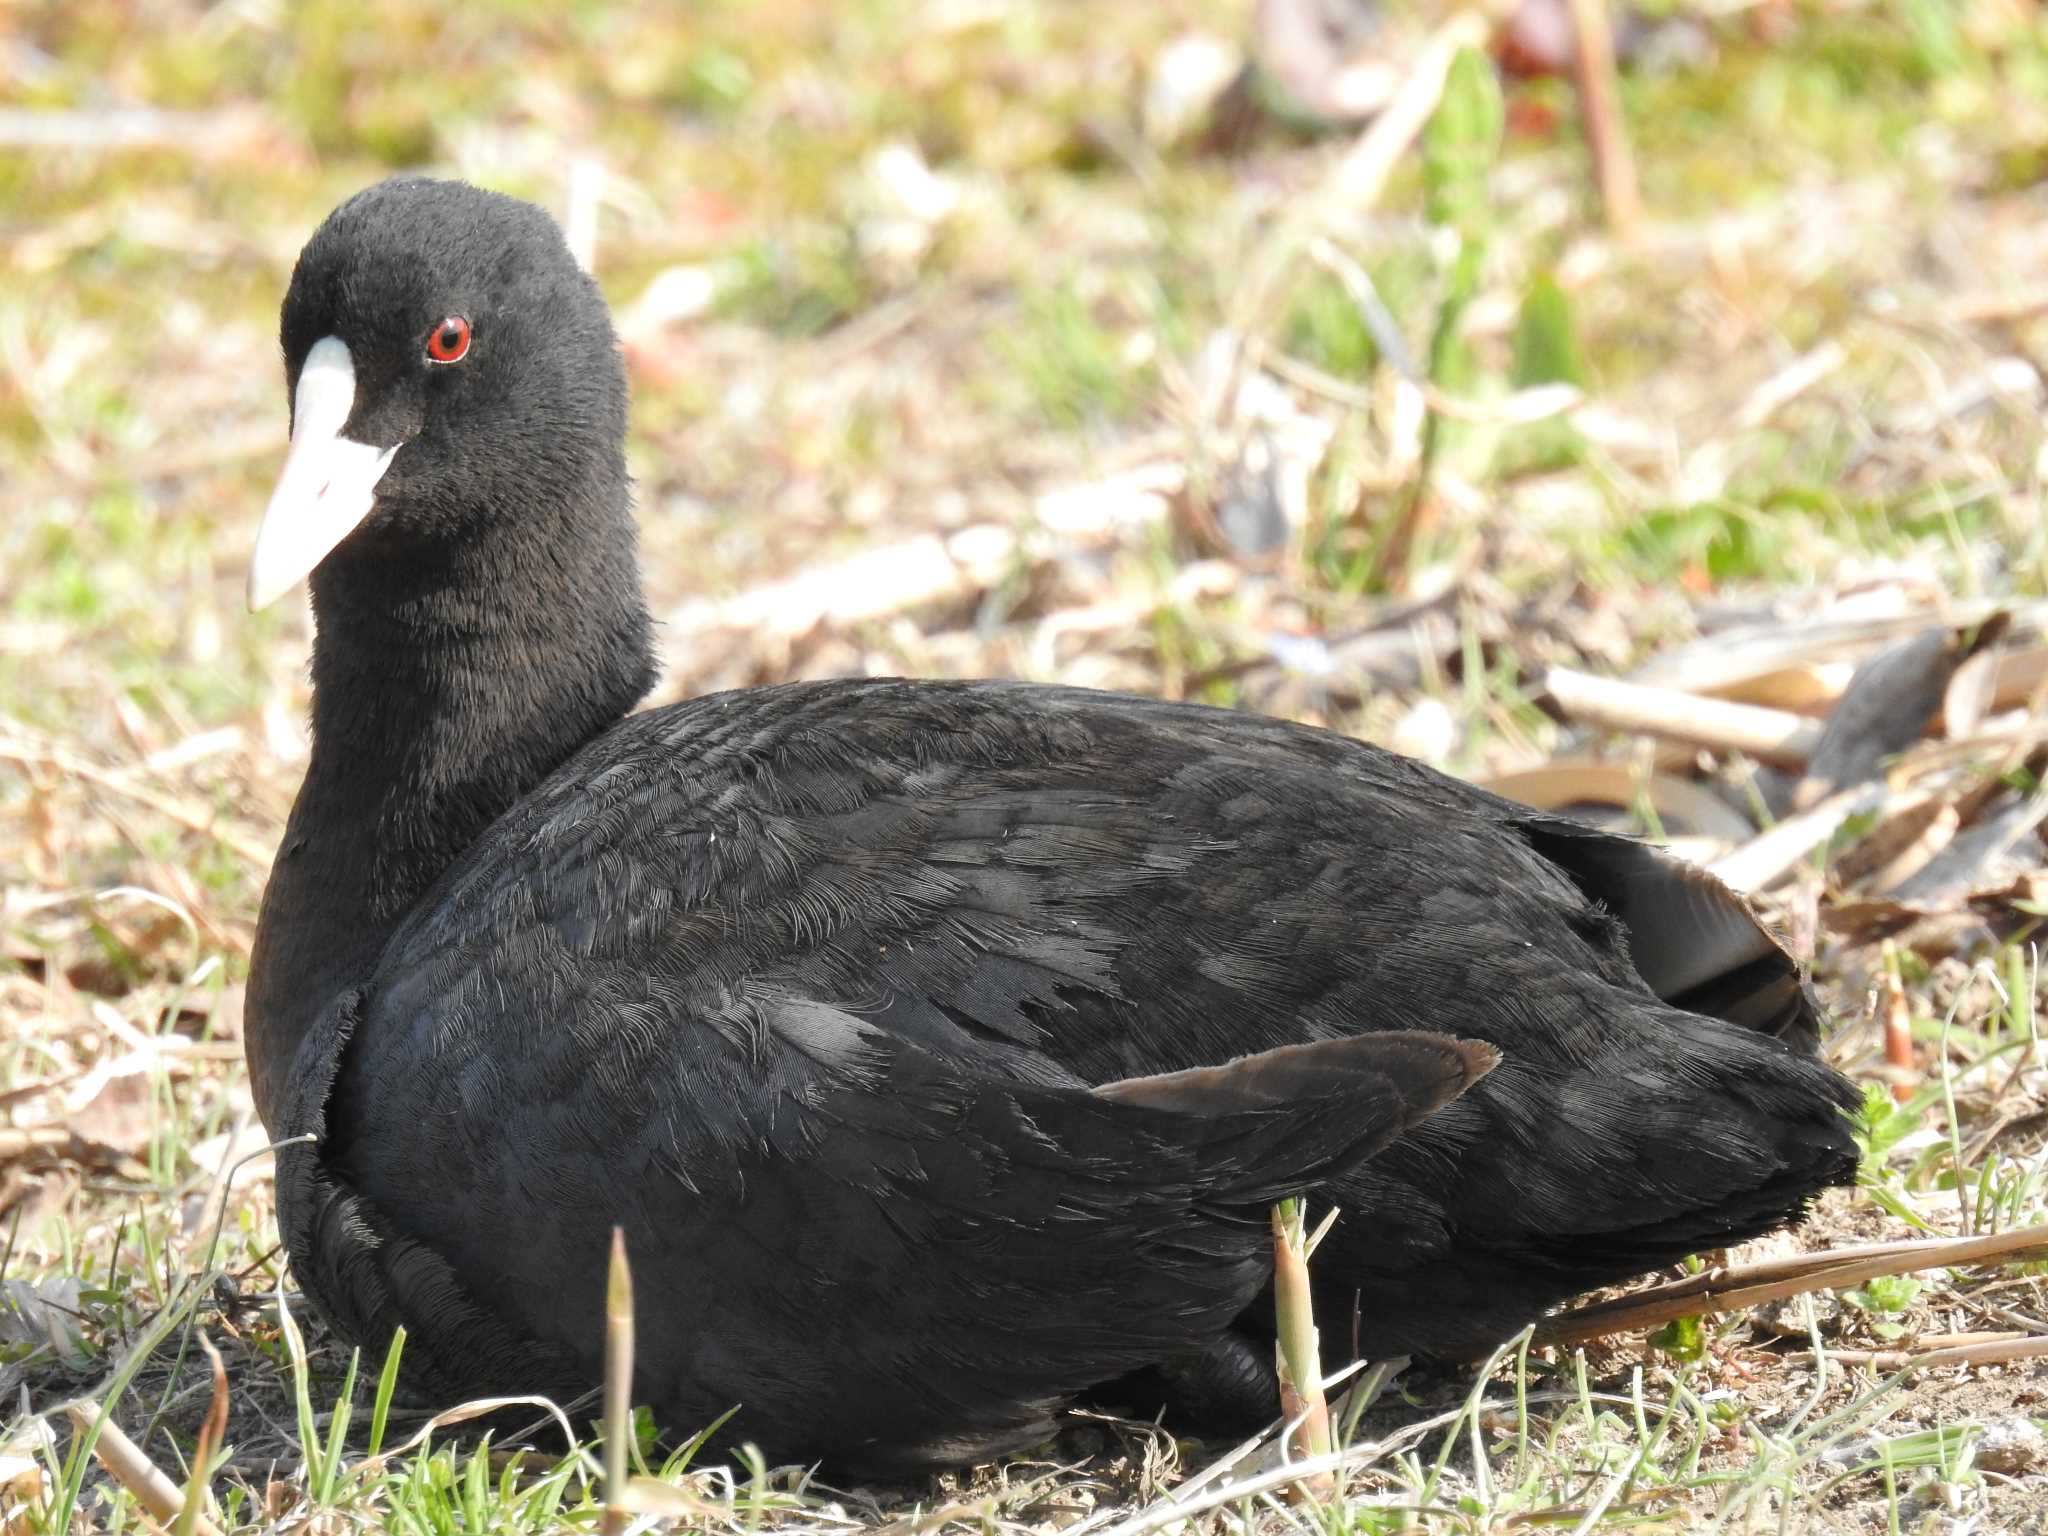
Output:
[[329, 482]]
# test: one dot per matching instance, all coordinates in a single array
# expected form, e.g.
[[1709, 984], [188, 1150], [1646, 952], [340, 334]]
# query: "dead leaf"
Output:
[[119, 1114], [1899, 847], [1968, 699], [1808, 688], [2019, 676], [1887, 708], [1983, 861]]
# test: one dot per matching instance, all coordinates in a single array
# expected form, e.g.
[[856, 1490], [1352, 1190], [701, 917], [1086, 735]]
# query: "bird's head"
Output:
[[449, 366]]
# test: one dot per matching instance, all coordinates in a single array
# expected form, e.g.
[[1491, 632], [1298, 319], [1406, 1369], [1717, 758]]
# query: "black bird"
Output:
[[858, 1004]]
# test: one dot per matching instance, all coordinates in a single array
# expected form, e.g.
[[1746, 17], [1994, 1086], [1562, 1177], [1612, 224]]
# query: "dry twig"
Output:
[[1990, 1352], [1729, 1290]]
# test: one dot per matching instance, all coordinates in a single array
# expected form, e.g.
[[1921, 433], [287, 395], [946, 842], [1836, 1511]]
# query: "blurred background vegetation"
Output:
[[922, 258], [1040, 337]]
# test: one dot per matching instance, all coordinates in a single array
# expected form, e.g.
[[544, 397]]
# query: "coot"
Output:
[[891, 1019]]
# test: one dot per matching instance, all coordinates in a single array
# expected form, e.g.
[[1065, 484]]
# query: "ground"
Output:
[[951, 355]]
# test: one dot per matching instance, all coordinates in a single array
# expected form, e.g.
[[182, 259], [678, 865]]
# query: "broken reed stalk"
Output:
[[1749, 1285], [618, 1386], [1298, 1353], [1761, 860], [128, 1466], [1775, 735], [1599, 87]]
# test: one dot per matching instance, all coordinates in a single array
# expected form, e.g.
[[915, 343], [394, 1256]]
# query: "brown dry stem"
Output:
[[1750, 1285]]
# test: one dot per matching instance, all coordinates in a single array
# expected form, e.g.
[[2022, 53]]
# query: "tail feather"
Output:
[[1694, 941]]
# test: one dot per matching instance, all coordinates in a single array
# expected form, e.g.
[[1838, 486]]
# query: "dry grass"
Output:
[[942, 367]]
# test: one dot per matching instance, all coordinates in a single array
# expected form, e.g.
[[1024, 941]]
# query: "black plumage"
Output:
[[855, 1002]]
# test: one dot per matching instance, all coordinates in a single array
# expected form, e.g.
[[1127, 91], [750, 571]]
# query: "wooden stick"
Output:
[[1729, 1290], [134, 1471], [1775, 735], [1614, 167]]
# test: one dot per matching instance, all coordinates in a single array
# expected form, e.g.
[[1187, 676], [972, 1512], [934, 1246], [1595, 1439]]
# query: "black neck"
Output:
[[448, 681]]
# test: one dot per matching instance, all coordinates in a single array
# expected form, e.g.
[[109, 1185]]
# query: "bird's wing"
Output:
[[871, 1252]]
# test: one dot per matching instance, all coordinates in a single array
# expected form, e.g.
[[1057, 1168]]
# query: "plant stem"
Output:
[[618, 1385], [1299, 1353]]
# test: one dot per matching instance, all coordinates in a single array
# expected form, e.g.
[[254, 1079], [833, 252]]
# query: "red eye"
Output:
[[448, 342]]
